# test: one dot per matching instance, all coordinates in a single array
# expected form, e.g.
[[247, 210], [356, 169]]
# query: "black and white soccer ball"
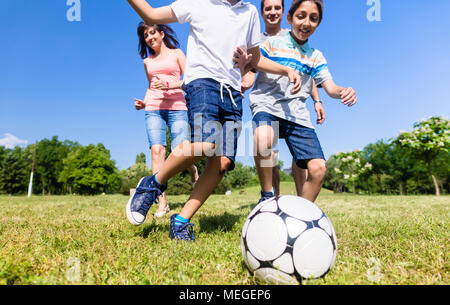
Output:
[[287, 239]]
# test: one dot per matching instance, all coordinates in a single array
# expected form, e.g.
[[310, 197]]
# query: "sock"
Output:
[[180, 220], [157, 180]]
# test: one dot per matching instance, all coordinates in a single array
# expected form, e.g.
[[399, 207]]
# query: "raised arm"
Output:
[[266, 65], [346, 95], [150, 15]]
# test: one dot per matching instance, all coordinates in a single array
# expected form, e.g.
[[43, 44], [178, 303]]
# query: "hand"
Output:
[[320, 111], [245, 86], [295, 79], [159, 84], [241, 59], [139, 104], [348, 97]]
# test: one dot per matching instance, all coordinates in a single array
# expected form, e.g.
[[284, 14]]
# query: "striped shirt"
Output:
[[272, 93]]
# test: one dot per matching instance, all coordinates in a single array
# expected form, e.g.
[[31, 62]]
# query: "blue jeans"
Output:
[[215, 116], [156, 122]]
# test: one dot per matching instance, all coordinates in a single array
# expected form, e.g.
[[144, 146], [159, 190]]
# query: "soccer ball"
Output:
[[287, 239]]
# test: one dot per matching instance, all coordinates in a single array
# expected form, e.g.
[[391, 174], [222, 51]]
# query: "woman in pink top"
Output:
[[164, 101]]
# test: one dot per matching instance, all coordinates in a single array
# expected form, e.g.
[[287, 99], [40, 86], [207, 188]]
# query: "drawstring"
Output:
[[222, 85]]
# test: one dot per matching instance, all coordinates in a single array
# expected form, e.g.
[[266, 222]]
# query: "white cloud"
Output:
[[11, 141]]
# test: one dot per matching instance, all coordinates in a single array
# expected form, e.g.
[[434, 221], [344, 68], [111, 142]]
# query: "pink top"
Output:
[[167, 70]]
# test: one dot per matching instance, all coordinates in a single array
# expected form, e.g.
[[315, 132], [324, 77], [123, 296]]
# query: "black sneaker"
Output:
[[147, 193], [265, 196], [181, 231]]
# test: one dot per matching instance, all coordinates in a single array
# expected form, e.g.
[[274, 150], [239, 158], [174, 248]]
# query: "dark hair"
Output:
[[296, 4], [263, 1], [169, 39]]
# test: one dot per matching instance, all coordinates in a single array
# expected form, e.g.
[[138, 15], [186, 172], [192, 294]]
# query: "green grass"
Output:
[[381, 240]]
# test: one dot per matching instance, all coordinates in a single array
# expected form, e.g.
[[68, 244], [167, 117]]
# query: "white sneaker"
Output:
[[163, 212]]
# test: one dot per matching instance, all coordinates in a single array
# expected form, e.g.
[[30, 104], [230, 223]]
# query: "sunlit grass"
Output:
[[88, 240]]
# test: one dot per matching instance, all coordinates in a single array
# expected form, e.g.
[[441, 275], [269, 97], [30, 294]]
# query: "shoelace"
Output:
[[149, 192], [184, 232]]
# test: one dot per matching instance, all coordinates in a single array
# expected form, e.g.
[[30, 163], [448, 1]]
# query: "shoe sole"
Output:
[[128, 209]]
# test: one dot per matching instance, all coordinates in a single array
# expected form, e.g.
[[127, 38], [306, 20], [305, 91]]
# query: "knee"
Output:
[[158, 152], [225, 164], [317, 169]]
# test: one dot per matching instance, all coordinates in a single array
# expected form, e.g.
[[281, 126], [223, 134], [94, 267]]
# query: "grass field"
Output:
[[88, 240]]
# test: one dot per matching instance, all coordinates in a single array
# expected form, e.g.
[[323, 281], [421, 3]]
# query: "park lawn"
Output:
[[88, 240]]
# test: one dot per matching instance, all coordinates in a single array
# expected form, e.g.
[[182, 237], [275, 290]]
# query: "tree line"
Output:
[[415, 162]]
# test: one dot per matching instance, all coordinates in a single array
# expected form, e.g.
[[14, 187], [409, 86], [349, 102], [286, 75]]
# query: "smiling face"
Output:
[[304, 21], [153, 38], [272, 12]]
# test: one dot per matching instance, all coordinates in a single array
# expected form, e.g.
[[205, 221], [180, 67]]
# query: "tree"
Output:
[[240, 176], [426, 141], [50, 155], [132, 175], [141, 158], [14, 171], [351, 166], [89, 170]]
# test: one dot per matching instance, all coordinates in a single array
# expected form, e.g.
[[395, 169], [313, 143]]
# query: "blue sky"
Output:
[[77, 80]]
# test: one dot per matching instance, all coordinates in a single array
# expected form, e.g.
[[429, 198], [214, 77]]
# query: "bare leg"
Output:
[[263, 138], [300, 176], [316, 175], [158, 154], [194, 173], [275, 174], [183, 157], [206, 183]]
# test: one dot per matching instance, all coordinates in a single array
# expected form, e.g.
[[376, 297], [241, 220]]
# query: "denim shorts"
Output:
[[215, 115], [156, 122], [301, 141]]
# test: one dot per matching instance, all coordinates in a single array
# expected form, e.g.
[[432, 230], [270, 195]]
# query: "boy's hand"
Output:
[[241, 59], [320, 111], [348, 97], [139, 104], [295, 79]]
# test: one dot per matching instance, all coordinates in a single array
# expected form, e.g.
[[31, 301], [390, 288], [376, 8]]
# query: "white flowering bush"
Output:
[[425, 142], [351, 166]]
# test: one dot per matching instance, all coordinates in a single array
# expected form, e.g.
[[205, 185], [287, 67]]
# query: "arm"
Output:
[[140, 104], [346, 95], [318, 107], [241, 60], [266, 65], [248, 80], [152, 15]]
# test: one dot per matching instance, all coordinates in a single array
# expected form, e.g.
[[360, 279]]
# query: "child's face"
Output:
[[305, 20], [272, 12], [153, 38]]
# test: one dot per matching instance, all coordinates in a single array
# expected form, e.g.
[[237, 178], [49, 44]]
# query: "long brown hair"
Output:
[[169, 39]]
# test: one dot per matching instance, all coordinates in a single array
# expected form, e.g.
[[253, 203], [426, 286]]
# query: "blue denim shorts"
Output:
[[215, 115], [301, 141], [156, 122]]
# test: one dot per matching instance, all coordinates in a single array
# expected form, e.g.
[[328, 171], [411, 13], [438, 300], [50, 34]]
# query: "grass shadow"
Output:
[[248, 206], [222, 223], [175, 205], [152, 228]]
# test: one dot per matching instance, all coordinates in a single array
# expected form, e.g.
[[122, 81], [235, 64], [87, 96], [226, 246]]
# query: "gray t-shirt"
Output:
[[272, 93]]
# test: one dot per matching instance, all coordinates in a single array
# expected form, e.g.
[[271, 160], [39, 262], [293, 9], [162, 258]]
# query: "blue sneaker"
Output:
[[147, 193], [265, 196], [181, 232]]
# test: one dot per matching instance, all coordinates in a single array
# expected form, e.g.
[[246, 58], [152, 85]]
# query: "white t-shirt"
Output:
[[217, 29]]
